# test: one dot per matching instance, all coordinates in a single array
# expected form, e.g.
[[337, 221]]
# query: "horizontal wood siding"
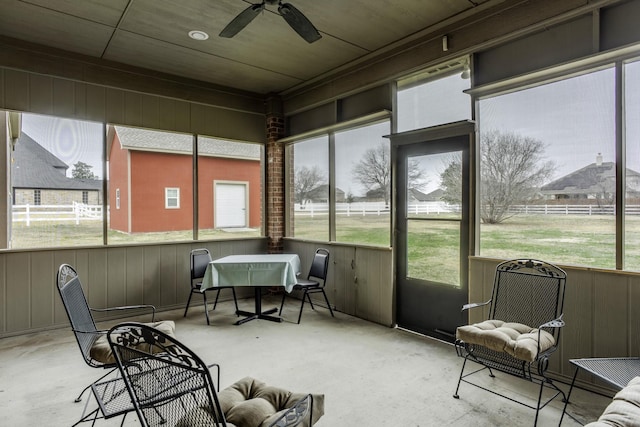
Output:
[[43, 94], [359, 280], [152, 274]]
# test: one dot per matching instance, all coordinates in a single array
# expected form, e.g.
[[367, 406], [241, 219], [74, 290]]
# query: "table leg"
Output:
[[566, 402], [258, 313]]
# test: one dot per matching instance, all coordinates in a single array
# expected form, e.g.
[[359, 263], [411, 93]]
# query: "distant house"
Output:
[[320, 194], [419, 196], [151, 176], [594, 181], [39, 178]]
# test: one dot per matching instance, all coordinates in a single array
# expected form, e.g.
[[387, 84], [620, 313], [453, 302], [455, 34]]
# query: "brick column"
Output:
[[275, 176]]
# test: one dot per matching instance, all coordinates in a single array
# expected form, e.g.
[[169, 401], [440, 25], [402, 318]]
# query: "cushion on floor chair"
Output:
[[252, 403], [516, 339], [101, 351], [624, 410]]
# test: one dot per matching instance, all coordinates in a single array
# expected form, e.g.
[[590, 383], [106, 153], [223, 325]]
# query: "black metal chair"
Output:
[[170, 385], [522, 330], [82, 322], [92, 342], [318, 271], [200, 258]]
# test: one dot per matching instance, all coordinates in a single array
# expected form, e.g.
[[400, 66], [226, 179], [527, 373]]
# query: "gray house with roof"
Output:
[[39, 178], [595, 181]]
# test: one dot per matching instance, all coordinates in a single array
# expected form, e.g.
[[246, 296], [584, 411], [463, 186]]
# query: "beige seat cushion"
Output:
[[252, 403], [516, 339], [101, 351], [624, 410]]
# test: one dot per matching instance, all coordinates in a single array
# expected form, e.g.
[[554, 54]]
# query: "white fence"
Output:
[[76, 212], [431, 208], [369, 208]]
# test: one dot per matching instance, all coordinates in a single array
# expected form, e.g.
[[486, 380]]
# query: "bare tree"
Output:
[[306, 179], [373, 171], [600, 185], [512, 169]]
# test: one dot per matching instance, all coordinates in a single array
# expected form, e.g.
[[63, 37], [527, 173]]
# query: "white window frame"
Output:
[[168, 197], [117, 198]]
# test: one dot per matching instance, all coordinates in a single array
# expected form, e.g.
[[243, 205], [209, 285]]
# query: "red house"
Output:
[[151, 175]]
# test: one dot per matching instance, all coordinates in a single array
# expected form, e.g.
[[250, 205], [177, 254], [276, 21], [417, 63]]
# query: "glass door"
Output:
[[433, 234]]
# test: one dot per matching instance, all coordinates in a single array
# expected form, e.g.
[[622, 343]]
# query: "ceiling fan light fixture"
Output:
[[198, 35]]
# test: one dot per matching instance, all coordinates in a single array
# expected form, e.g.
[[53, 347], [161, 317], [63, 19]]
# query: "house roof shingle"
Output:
[[35, 167], [593, 178], [177, 143]]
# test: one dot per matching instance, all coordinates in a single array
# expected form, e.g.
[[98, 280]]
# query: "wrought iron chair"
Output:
[[522, 330], [318, 271], [200, 258], [170, 385], [81, 319], [92, 342]]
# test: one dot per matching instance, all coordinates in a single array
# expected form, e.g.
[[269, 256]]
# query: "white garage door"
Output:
[[230, 205]]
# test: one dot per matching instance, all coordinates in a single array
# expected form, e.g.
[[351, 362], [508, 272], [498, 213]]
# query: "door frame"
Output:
[[246, 201], [465, 129]]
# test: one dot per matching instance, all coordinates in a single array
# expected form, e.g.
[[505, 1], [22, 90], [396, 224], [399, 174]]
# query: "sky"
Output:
[[69, 140], [573, 118]]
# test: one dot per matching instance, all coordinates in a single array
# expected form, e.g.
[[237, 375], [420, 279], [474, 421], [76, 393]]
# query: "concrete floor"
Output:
[[371, 375]]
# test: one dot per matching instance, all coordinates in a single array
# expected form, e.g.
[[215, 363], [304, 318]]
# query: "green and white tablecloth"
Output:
[[253, 270]]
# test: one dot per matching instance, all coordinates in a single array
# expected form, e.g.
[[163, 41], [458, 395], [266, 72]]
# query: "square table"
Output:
[[616, 371], [256, 271]]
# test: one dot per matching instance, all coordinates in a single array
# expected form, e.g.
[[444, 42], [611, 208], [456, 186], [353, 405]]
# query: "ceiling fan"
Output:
[[293, 16]]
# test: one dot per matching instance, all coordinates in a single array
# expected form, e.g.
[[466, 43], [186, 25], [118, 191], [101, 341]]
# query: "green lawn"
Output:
[[89, 233], [563, 239]]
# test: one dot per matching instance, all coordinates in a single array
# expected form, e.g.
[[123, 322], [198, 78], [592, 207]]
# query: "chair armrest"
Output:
[[296, 414], [474, 305], [129, 307], [217, 368], [555, 323]]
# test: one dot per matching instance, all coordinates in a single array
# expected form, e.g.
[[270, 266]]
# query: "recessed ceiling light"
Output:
[[198, 35]]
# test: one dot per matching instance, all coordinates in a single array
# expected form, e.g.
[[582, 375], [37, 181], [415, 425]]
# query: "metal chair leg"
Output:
[[79, 398], [206, 310], [235, 301], [284, 295], [310, 302], [535, 422], [302, 305], [456, 395], [188, 302], [215, 303], [327, 301]]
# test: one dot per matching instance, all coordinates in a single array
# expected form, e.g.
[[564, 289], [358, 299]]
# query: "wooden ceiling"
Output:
[[266, 57]]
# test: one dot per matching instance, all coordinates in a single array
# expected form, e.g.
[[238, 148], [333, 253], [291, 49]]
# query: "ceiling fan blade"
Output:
[[299, 22], [242, 20]]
